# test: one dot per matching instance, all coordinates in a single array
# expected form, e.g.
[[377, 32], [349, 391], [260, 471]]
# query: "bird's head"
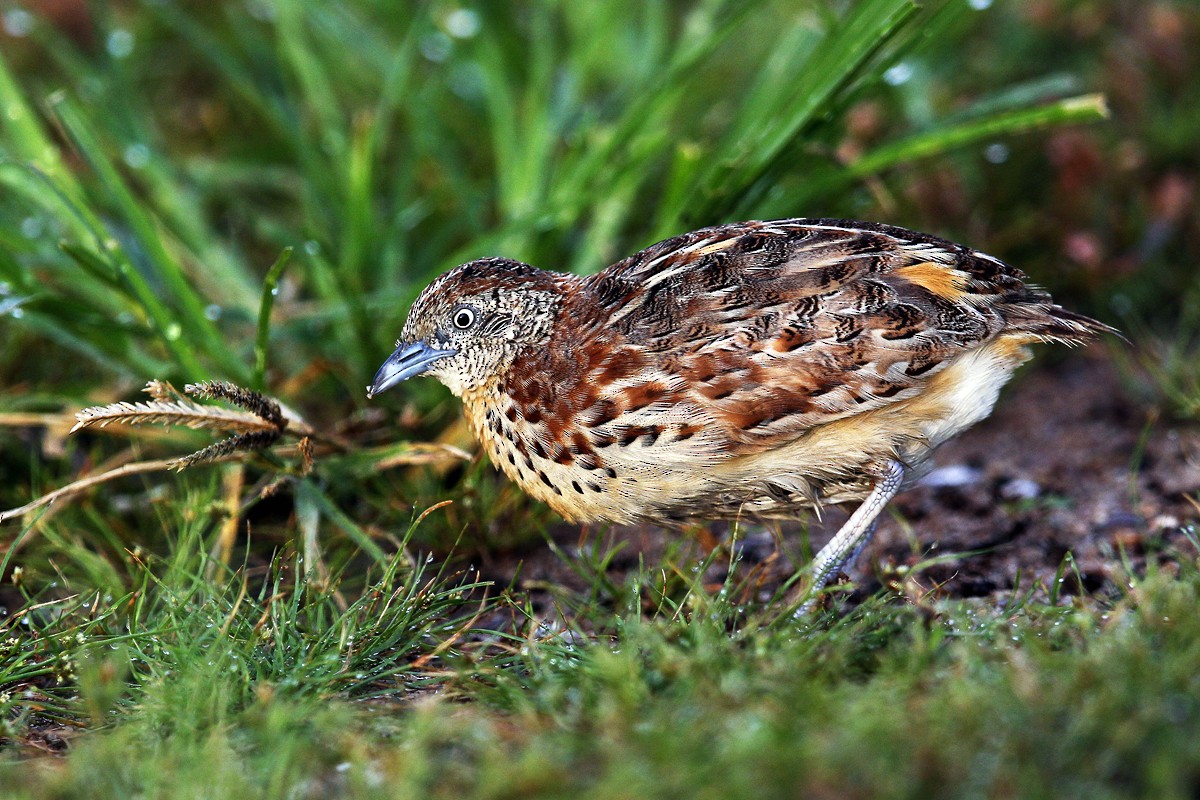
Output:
[[468, 326]]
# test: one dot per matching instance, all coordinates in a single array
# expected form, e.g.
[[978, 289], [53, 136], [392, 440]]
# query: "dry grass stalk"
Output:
[[82, 484], [241, 442], [255, 402], [258, 426], [170, 412], [258, 422]]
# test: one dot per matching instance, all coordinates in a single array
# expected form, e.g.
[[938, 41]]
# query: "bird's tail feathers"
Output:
[[1048, 322]]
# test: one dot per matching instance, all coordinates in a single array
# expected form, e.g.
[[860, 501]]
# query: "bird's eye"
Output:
[[464, 318]]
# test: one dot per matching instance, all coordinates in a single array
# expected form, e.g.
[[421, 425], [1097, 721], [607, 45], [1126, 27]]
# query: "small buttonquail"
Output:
[[753, 369]]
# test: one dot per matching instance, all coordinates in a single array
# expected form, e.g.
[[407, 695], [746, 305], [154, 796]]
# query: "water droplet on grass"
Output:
[[899, 74], [436, 47], [996, 153], [119, 43], [462, 23], [18, 22], [136, 155], [32, 227]]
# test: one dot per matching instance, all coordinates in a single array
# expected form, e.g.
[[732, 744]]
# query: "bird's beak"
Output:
[[407, 361]]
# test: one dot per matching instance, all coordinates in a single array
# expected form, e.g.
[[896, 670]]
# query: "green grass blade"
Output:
[[318, 499], [93, 265], [25, 136], [190, 329], [836, 61], [1075, 110], [270, 285]]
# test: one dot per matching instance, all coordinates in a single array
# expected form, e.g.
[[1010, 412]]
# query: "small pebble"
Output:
[[952, 476], [1020, 489], [1165, 522]]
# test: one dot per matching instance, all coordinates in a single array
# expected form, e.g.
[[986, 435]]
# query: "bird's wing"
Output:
[[767, 329]]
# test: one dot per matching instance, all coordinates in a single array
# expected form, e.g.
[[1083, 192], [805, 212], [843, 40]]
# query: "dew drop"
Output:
[[996, 153], [136, 155], [12, 307], [119, 43], [436, 47], [212, 312], [32, 227], [462, 23], [900, 74], [18, 22]]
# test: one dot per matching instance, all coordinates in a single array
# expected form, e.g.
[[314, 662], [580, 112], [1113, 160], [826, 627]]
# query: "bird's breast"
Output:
[[554, 464]]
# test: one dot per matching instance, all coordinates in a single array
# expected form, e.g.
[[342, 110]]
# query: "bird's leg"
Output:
[[855, 533], [852, 559]]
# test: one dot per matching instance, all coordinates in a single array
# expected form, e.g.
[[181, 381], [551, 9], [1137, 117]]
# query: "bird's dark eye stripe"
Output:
[[494, 324]]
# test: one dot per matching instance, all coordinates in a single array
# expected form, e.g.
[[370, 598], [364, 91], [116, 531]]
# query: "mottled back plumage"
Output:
[[754, 368]]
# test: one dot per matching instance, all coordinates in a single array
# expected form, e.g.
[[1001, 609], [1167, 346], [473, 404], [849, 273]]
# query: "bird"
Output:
[[753, 370]]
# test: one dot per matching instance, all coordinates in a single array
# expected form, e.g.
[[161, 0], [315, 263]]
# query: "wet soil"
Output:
[[1069, 469]]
